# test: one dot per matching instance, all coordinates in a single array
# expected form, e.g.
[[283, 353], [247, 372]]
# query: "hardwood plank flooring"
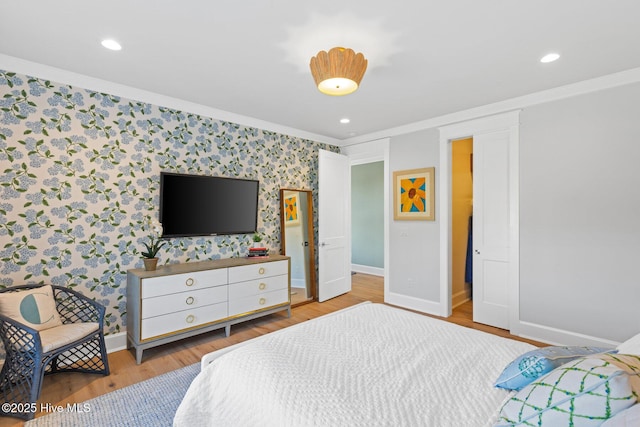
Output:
[[70, 388]]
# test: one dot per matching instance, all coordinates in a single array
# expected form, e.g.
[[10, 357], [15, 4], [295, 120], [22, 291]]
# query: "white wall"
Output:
[[579, 227], [414, 245], [580, 214]]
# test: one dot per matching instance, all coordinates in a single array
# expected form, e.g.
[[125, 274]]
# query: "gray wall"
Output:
[[579, 216], [367, 214], [580, 213], [414, 245]]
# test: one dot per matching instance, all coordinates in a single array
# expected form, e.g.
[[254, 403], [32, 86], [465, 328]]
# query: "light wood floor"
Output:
[[70, 388]]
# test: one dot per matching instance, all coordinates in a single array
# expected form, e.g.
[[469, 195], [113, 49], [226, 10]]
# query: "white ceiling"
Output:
[[250, 57]]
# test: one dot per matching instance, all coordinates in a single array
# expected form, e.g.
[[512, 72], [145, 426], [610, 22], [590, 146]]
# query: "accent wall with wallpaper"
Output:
[[80, 175]]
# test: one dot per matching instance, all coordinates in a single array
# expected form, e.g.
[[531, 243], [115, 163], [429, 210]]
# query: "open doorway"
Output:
[[495, 217], [367, 218], [373, 152], [461, 222]]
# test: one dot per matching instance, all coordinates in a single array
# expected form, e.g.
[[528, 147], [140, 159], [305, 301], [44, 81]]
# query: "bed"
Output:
[[367, 365], [375, 365]]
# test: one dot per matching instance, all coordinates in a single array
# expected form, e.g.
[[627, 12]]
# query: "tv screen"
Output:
[[199, 205]]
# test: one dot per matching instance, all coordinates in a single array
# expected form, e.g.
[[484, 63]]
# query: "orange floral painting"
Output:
[[414, 194], [291, 210]]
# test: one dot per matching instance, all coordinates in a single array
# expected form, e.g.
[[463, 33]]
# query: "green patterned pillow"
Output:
[[35, 308], [583, 392]]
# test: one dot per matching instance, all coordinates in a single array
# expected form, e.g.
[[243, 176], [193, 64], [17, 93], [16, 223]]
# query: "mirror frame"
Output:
[[312, 253]]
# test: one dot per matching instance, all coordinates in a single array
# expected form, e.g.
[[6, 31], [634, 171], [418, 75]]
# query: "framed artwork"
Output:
[[414, 194], [292, 216]]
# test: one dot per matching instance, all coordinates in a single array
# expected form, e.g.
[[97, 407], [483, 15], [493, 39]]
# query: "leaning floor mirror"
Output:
[[296, 225]]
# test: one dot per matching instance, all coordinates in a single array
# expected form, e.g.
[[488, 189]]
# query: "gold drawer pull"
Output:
[[190, 300], [190, 318], [261, 270], [189, 282], [262, 286], [262, 301]]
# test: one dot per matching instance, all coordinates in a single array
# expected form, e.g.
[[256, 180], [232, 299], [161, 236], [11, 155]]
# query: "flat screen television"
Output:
[[200, 205]]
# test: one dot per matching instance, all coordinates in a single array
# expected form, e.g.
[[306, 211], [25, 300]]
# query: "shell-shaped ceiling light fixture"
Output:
[[339, 71]]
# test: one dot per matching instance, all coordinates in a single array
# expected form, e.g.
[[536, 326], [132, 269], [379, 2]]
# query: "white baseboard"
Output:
[[365, 269], [556, 336], [298, 283], [460, 298], [412, 303], [115, 342]]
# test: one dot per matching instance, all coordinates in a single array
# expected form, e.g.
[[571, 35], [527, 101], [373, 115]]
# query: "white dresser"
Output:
[[182, 300], [253, 287]]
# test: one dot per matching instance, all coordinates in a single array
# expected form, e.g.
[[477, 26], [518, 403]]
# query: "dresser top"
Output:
[[188, 267]]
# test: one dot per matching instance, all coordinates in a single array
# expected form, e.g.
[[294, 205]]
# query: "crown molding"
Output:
[[34, 69], [59, 75], [587, 86]]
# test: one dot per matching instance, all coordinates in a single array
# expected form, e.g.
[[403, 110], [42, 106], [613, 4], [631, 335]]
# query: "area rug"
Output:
[[151, 403]]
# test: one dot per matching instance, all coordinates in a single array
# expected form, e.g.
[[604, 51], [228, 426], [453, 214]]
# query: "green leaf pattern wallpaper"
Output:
[[80, 176]]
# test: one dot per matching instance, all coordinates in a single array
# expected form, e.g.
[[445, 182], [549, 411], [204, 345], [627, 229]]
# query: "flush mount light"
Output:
[[550, 57], [339, 71], [111, 44], [344, 121]]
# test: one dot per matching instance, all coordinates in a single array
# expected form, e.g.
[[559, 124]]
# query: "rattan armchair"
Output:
[[30, 354]]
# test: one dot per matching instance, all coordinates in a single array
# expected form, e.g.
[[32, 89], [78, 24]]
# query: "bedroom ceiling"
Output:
[[250, 58]]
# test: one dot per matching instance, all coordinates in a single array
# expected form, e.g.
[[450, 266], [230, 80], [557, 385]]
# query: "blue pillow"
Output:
[[536, 363]]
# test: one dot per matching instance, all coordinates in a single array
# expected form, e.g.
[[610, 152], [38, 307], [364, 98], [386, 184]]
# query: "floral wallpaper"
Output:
[[80, 176]]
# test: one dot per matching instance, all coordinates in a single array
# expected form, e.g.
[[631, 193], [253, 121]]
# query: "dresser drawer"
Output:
[[166, 304], [255, 287], [180, 320], [165, 285], [256, 271], [258, 302]]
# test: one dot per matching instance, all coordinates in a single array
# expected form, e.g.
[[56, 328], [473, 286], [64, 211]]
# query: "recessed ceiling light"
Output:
[[344, 121], [550, 57], [111, 44]]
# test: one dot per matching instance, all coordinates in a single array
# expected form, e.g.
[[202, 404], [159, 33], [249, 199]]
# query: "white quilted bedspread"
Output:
[[371, 365]]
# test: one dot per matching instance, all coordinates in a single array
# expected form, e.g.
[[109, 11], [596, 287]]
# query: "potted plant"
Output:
[[149, 257], [257, 239]]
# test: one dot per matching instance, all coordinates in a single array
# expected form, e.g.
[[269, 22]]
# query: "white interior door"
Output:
[[334, 217], [491, 228]]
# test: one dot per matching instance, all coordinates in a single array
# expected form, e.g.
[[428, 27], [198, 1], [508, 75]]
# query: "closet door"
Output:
[[491, 228]]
